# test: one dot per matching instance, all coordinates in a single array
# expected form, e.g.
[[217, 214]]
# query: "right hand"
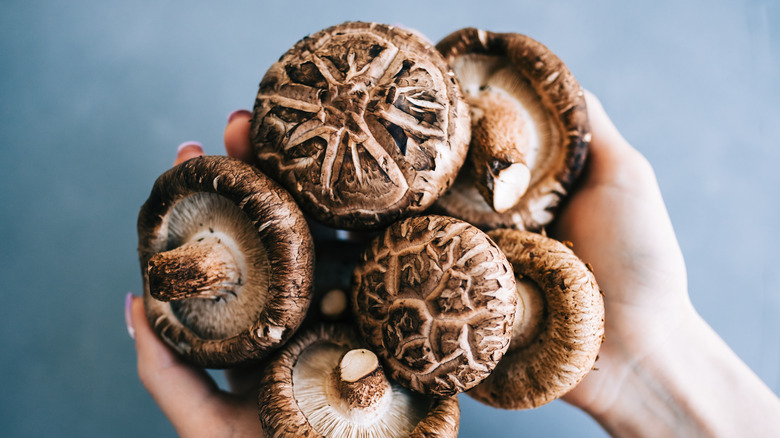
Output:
[[618, 223]]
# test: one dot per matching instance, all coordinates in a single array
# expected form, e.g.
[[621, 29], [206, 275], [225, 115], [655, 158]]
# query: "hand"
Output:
[[187, 395], [662, 371], [618, 223]]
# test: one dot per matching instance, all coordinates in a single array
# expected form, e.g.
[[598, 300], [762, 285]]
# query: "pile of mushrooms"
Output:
[[417, 180]]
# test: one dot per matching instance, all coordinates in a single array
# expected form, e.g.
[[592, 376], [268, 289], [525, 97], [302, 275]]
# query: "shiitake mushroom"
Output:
[[227, 261], [530, 130], [435, 298], [324, 383], [363, 123], [559, 324]]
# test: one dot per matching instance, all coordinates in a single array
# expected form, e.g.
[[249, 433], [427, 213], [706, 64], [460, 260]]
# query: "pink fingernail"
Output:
[[240, 112], [187, 144], [129, 315]]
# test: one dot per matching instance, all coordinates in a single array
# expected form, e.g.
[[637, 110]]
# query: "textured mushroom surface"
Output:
[[529, 130], [310, 389], [435, 298], [227, 261], [559, 325], [362, 123]]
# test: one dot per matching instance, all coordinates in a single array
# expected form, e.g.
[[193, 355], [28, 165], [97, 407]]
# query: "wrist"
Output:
[[692, 384], [650, 394]]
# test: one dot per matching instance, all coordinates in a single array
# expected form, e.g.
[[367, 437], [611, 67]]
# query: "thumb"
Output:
[[236, 136]]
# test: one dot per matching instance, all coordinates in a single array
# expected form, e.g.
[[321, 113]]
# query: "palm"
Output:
[[618, 224]]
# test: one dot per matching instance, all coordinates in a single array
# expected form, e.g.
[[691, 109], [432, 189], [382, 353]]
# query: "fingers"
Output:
[[180, 390], [188, 150], [237, 136], [187, 395], [236, 140]]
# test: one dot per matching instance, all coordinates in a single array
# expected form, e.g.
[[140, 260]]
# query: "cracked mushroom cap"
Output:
[[530, 130], [227, 261], [435, 298], [363, 123], [324, 384], [559, 324]]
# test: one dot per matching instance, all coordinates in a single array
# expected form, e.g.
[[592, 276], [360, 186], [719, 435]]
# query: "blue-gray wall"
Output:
[[95, 97]]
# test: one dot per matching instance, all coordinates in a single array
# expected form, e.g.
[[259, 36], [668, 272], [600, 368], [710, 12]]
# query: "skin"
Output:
[[662, 371]]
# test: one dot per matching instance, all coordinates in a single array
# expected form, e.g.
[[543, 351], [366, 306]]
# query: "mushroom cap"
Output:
[[435, 298], [289, 411], [363, 123], [278, 229], [519, 67], [563, 336]]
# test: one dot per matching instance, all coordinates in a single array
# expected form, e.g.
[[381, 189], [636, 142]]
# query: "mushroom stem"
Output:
[[530, 314], [202, 268], [500, 135], [360, 380], [334, 304]]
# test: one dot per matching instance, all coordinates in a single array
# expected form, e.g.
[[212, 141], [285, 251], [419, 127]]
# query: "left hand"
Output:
[[186, 394]]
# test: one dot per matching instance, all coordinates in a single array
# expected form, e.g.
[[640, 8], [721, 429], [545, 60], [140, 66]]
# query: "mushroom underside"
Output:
[[515, 117], [204, 216], [560, 328], [510, 178], [227, 262], [529, 130], [323, 384], [319, 399]]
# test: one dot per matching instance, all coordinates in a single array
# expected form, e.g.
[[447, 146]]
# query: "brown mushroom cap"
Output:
[[363, 123], [248, 290], [559, 326], [435, 298], [527, 111], [305, 392]]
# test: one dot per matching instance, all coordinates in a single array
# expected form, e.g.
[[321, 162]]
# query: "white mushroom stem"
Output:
[[360, 380], [334, 304], [509, 185], [500, 136], [530, 314], [205, 267], [368, 407]]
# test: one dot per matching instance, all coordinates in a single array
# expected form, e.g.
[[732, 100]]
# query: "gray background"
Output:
[[94, 98]]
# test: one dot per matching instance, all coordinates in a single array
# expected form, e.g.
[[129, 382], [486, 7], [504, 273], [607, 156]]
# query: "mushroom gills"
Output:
[[234, 304], [320, 394], [560, 330], [513, 135]]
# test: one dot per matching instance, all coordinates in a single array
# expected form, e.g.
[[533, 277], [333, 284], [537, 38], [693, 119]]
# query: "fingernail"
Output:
[[240, 112], [189, 144], [128, 315]]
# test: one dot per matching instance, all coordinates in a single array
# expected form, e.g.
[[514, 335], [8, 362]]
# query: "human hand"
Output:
[[187, 395], [662, 371], [618, 223]]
